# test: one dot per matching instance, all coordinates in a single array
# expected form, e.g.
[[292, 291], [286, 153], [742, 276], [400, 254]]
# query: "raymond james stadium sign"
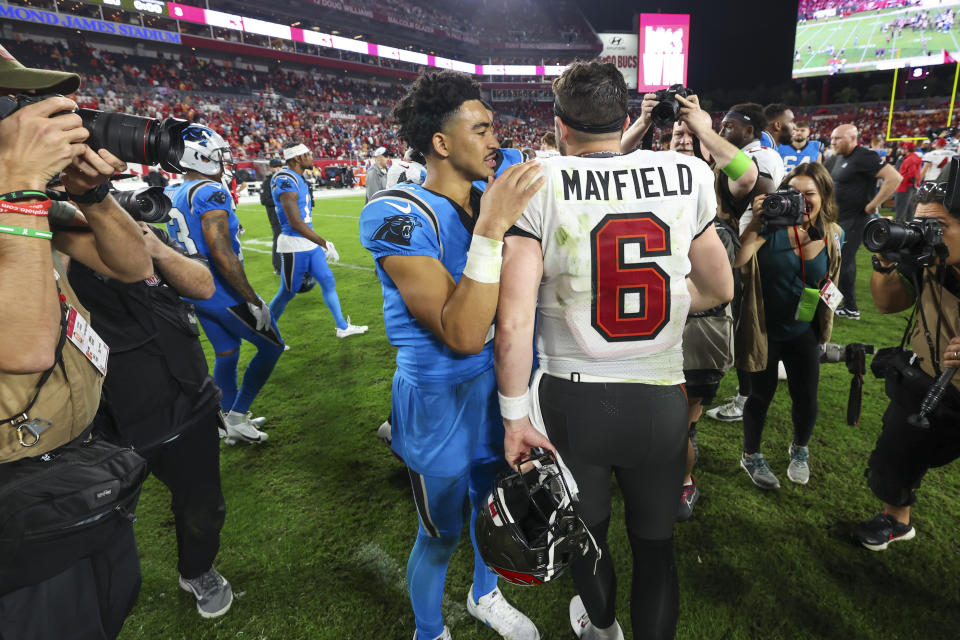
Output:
[[87, 24]]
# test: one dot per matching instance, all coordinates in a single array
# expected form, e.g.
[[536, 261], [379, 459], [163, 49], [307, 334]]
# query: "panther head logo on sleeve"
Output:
[[397, 229]]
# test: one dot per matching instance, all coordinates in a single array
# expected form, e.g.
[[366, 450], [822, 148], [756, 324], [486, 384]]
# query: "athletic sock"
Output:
[[225, 375], [259, 369], [613, 632]]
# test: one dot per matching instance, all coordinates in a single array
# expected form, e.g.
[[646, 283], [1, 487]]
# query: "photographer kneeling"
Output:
[[923, 272], [789, 253]]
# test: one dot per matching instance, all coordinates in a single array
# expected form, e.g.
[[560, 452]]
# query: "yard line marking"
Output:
[[391, 574]]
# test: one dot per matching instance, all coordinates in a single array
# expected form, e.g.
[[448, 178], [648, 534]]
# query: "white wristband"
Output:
[[514, 408], [484, 259]]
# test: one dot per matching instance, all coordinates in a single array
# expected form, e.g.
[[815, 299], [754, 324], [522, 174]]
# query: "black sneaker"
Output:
[[878, 533], [688, 498], [850, 314]]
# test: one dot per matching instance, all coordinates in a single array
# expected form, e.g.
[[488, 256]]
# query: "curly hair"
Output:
[[432, 99]]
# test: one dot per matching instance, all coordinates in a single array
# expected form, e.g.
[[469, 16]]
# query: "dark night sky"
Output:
[[733, 45]]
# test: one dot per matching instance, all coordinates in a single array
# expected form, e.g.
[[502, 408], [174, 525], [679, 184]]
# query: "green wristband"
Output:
[[30, 233], [738, 166]]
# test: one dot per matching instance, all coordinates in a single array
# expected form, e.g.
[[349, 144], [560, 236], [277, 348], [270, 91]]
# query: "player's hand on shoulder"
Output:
[[506, 197]]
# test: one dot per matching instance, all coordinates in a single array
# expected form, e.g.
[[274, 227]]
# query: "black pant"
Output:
[[904, 453], [902, 204], [638, 433], [88, 601], [275, 227], [853, 235], [190, 467], [801, 359]]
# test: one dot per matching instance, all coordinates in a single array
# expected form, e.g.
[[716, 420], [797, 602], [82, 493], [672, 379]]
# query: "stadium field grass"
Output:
[[320, 518], [860, 35]]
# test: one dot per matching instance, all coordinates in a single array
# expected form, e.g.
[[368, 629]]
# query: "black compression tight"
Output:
[[638, 434]]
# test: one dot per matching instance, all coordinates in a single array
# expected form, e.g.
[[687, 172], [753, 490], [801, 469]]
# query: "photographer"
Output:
[[786, 260], [161, 400], [905, 452], [49, 386]]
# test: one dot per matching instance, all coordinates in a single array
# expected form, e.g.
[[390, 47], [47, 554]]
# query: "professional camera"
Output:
[[665, 113], [146, 204], [784, 208], [854, 355], [146, 141], [917, 242]]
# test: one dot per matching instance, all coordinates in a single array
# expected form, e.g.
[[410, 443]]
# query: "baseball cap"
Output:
[[909, 146], [939, 143], [276, 162], [379, 152], [14, 75]]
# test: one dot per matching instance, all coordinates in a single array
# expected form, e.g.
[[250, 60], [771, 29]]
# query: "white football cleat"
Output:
[[494, 611], [385, 433], [351, 329], [240, 428]]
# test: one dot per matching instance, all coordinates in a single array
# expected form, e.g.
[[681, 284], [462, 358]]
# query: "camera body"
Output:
[[131, 138], [784, 208], [665, 113], [917, 242]]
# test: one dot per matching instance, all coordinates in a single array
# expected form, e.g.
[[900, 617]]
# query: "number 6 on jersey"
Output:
[[631, 299]]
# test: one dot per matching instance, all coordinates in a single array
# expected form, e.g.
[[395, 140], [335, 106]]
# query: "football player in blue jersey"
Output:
[[801, 149], [780, 125], [438, 252], [302, 251], [203, 222]]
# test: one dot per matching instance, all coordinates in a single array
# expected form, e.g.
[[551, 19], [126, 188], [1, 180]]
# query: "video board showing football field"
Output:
[[839, 36]]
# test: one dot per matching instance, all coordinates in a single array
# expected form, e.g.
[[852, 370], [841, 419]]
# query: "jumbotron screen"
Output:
[[847, 36]]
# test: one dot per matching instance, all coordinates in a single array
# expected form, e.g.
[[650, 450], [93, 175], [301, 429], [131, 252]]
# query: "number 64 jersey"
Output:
[[615, 232]]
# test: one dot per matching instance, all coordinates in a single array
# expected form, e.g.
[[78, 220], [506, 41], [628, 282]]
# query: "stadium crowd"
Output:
[[761, 252]]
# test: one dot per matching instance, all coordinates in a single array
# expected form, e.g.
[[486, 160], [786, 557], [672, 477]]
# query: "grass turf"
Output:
[[320, 518], [860, 36]]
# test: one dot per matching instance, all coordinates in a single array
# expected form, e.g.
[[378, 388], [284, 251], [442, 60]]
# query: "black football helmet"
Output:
[[528, 532], [307, 283]]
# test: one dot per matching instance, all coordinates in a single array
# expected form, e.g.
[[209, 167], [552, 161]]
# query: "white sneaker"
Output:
[[729, 412], [385, 433], [239, 428], [583, 628], [781, 371], [351, 329], [443, 636], [494, 611]]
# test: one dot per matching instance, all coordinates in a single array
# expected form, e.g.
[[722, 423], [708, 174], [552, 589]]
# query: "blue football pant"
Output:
[[226, 327], [292, 270], [441, 507]]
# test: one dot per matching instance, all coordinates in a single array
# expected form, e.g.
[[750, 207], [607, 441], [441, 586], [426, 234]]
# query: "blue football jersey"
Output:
[[505, 158], [286, 180], [792, 157], [766, 140], [409, 220], [190, 201]]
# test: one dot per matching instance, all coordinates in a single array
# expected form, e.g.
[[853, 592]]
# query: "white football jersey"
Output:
[[769, 165], [615, 233], [938, 159], [405, 171]]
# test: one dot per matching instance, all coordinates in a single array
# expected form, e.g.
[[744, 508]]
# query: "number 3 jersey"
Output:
[[191, 200], [615, 232]]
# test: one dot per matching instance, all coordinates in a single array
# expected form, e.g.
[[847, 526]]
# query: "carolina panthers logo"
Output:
[[397, 229], [284, 183], [217, 197]]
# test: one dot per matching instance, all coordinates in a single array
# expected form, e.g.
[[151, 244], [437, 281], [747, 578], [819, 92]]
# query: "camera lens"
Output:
[[136, 139], [149, 204], [774, 206], [665, 113]]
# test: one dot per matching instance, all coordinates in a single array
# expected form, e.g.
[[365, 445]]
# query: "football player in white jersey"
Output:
[[607, 259]]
